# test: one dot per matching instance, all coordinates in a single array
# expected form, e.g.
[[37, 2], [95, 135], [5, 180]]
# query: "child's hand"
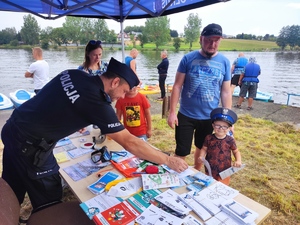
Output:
[[237, 164], [200, 160]]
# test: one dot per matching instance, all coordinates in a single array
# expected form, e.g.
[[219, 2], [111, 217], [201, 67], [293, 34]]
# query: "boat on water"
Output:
[[260, 96], [20, 96], [153, 89], [5, 102]]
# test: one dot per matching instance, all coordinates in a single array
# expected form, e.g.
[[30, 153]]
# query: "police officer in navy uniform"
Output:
[[70, 101]]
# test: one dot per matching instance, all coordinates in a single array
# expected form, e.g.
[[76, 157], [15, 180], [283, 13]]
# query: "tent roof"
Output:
[[118, 10]]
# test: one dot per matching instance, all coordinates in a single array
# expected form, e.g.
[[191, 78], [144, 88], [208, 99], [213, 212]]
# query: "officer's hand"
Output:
[[177, 164]]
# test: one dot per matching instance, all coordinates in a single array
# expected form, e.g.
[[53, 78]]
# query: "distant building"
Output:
[[126, 37]]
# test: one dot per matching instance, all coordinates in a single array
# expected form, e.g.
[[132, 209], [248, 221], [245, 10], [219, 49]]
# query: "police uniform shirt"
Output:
[[70, 101]]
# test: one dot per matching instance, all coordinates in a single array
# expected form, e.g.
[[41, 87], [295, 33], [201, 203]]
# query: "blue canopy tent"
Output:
[[118, 10]]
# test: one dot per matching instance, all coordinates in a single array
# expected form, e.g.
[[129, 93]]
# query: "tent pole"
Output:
[[122, 40]]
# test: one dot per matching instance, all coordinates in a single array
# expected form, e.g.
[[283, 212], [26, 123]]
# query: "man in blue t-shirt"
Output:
[[202, 80], [237, 68], [249, 83]]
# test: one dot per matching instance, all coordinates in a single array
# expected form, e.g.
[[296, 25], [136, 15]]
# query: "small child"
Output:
[[217, 147], [135, 109]]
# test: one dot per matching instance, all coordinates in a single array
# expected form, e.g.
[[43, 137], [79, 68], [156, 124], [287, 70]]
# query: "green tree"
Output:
[[87, 30], [72, 28], [30, 30], [282, 39], [143, 39], [176, 43], [158, 30], [101, 30], [173, 33], [58, 36], [192, 29], [129, 29], [293, 36], [45, 37], [111, 38], [7, 35]]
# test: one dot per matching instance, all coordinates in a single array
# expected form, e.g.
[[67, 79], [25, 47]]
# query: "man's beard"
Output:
[[208, 54]]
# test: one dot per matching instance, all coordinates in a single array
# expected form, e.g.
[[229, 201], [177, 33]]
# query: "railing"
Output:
[[291, 94]]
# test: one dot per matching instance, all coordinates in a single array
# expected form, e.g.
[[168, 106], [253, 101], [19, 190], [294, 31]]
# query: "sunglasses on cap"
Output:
[[104, 155], [93, 42]]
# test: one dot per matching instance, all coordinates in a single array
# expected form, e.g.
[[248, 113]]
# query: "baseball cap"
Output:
[[123, 71], [252, 60], [212, 30], [223, 114]]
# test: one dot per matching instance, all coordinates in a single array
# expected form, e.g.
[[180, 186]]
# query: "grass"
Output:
[[272, 156], [271, 152], [226, 45]]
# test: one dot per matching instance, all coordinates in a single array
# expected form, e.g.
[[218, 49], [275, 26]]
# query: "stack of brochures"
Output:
[[239, 212], [171, 199]]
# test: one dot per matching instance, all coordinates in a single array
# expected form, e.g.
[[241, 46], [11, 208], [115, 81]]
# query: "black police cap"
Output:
[[223, 114], [123, 71]]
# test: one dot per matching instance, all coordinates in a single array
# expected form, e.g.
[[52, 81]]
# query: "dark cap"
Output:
[[212, 30], [223, 114], [123, 71]]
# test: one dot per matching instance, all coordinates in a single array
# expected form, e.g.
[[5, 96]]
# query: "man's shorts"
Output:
[[235, 80], [187, 129], [250, 87]]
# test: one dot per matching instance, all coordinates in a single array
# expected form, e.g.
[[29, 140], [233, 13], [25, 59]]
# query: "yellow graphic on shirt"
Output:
[[133, 117]]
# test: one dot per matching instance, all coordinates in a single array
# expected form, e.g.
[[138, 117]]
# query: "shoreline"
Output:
[[264, 110]]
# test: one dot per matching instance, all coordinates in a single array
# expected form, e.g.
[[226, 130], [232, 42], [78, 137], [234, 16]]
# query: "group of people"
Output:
[[202, 81], [245, 73]]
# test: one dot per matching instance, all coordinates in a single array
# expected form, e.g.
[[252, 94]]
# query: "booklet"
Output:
[[239, 211], [224, 190], [171, 199], [195, 206], [156, 216], [142, 200], [99, 185], [98, 204], [156, 181], [230, 171], [83, 169], [122, 213]]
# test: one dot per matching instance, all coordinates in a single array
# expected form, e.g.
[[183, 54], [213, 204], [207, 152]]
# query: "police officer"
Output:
[[70, 101]]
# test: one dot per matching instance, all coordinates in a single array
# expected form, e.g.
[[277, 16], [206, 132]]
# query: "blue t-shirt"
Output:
[[128, 59], [239, 65], [202, 83]]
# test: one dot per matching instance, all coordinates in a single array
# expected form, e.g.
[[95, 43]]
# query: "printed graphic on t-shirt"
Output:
[[133, 117], [205, 76]]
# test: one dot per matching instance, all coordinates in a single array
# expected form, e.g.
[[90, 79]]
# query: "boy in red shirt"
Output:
[[135, 110]]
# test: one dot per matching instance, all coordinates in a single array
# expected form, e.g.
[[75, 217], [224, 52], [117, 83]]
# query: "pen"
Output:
[[139, 173]]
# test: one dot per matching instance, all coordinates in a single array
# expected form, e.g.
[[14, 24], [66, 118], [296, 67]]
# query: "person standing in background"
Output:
[[249, 83], [93, 64], [39, 70], [238, 67], [135, 110], [130, 60], [163, 72], [202, 80]]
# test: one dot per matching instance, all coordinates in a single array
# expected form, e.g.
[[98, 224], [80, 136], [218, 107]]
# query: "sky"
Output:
[[257, 17]]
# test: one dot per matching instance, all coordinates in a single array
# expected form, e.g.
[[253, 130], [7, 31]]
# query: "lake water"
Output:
[[280, 71]]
